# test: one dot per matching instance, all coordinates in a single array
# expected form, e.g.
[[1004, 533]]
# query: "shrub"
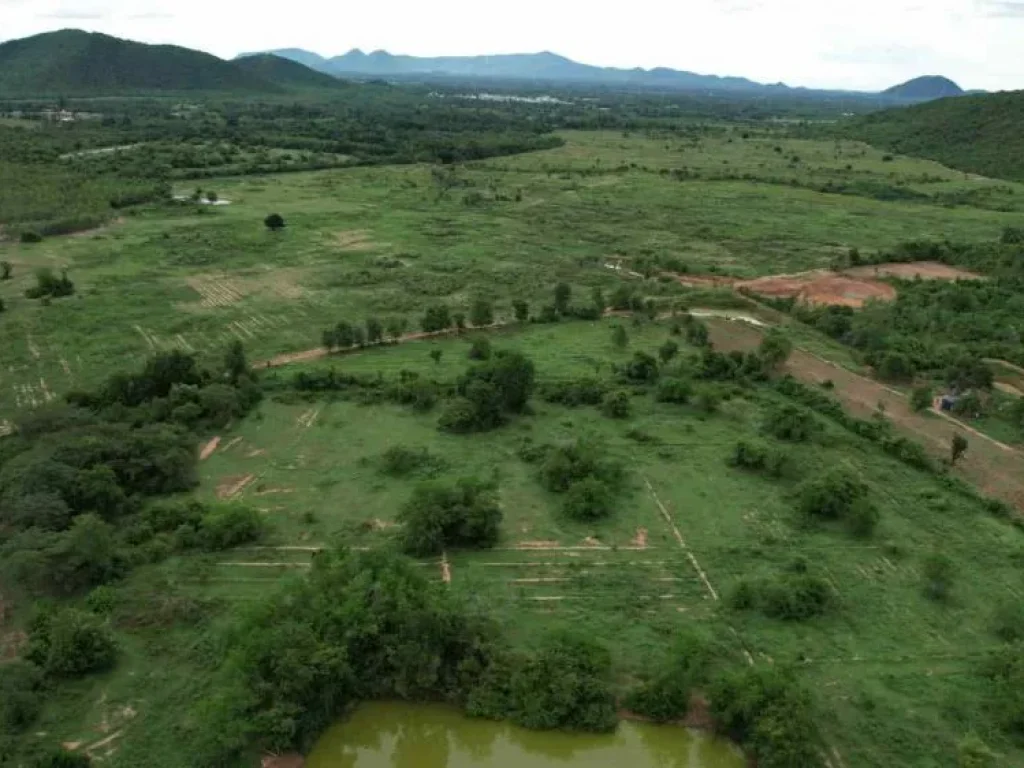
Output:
[[459, 417], [567, 464], [230, 525], [587, 500], [574, 393], [62, 758], [1008, 622], [674, 390], [480, 349], [832, 495], [749, 455], [921, 398], [616, 404], [440, 516], [49, 285], [274, 222], [20, 694], [863, 518], [619, 337], [30, 236], [399, 461], [70, 643], [792, 423], [796, 597], [642, 368], [707, 399], [938, 571], [436, 318], [668, 351], [666, 696]]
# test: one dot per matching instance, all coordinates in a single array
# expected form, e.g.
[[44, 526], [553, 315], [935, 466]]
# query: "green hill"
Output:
[[981, 134], [286, 73], [925, 89], [72, 62]]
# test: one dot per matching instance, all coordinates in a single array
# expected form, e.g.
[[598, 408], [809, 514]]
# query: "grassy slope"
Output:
[[896, 672], [379, 241], [71, 62], [980, 134]]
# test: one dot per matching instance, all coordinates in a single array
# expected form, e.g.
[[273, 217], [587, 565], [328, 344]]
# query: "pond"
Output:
[[399, 735]]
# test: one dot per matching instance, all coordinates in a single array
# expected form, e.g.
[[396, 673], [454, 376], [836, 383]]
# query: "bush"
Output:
[[921, 398], [70, 643], [796, 597], [30, 236], [666, 696], [1008, 622], [565, 465], [480, 349], [616, 404], [274, 222], [939, 572], [399, 461], [674, 390], [707, 399], [588, 500], [759, 457], [20, 694], [62, 758], [792, 423], [641, 369], [49, 285], [440, 516], [574, 393], [832, 495], [459, 417], [230, 525]]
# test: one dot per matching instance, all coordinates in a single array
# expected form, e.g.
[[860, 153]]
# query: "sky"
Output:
[[850, 44]]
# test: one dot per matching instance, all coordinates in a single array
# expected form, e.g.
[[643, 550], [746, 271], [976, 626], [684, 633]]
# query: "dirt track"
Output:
[[995, 468]]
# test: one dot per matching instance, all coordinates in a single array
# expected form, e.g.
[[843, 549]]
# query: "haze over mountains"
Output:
[[72, 62]]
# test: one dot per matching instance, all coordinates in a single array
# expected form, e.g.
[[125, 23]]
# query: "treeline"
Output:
[[371, 626]]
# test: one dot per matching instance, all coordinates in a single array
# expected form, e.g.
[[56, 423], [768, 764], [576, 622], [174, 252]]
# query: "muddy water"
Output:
[[394, 735]]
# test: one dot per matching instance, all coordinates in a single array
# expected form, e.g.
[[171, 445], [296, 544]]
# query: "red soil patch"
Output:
[[230, 487], [209, 448], [821, 287], [926, 270]]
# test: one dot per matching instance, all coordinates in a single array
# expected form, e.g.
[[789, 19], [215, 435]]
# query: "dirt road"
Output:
[[995, 468]]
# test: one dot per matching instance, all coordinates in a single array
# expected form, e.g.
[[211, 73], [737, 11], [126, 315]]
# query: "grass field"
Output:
[[390, 240], [895, 674]]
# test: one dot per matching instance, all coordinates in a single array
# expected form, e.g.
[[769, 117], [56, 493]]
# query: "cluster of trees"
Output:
[[346, 335], [442, 516], [372, 625], [794, 595], [583, 473], [764, 708], [489, 392]]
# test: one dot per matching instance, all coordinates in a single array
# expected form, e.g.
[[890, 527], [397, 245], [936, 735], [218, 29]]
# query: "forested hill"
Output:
[[925, 89], [981, 134], [286, 73], [72, 63]]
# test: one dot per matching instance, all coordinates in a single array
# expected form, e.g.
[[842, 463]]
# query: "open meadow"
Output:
[[743, 506]]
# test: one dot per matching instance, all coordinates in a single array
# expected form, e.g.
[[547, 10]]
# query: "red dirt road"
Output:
[[996, 469]]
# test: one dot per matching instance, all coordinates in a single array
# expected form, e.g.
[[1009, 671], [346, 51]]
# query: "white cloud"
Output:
[[867, 44]]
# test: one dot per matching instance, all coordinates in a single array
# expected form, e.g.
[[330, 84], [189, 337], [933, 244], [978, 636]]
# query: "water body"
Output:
[[398, 735]]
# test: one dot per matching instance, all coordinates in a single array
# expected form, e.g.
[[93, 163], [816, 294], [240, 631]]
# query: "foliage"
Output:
[[575, 392], [62, 758], [921, 398], [436, 318], [70, 643], [480, 349], [489, 391], [674, 390], [641, 369], [439, 516], [957, 449], [939, 573], [616, 405], [521, 309], [619, 337], [481, 313], [587, 500], [21, 698], [585, 458], [274, 222], [794, 595], [666, 695], [563, 295], [758, 456], [775, 349], [399, 461], [838, 494], [791, 423], [48, 284]]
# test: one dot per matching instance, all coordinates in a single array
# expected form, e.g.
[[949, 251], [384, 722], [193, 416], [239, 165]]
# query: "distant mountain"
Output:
[[286, 73], [545, 66], [981, 134], [305, 58], [925, 89]]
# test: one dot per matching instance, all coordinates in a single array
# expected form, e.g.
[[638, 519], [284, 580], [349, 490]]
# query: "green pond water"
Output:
[[397, 735]]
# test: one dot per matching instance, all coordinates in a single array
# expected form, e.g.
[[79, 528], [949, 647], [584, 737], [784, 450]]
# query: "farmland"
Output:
[[895, 672]]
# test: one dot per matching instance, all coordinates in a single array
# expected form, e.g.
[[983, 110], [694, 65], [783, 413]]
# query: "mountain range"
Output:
[[551, 67], [72, 62]]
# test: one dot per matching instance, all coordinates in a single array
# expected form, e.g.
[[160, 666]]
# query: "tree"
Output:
[[957, 448], [274, 222], [344, 336], [619, 337], [396, 327], [358, 336], [668, 351], [48, 284], [939, 572], [598, 300], [70, 643], [6, 269], [521, 310], [697, 333], [480, 349], [439, 516], [588, 500], [481, 313], [211, 196], [459, 320], [616, 404], [921, 398], [436, 318], [374, 331], [2, 305], [435, 355], [775, 349], [235, 364], [563, 295], [896, 366]]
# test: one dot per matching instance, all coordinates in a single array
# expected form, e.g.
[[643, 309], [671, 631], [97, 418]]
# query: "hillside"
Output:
[[285, 72], [72, 62], [925, 89], [980, 134]]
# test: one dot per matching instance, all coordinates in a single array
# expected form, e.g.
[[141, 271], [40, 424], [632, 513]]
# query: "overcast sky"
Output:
[[860, 44]]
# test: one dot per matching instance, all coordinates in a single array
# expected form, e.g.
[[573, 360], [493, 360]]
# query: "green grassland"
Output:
[[894, 675], [390, 240]]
